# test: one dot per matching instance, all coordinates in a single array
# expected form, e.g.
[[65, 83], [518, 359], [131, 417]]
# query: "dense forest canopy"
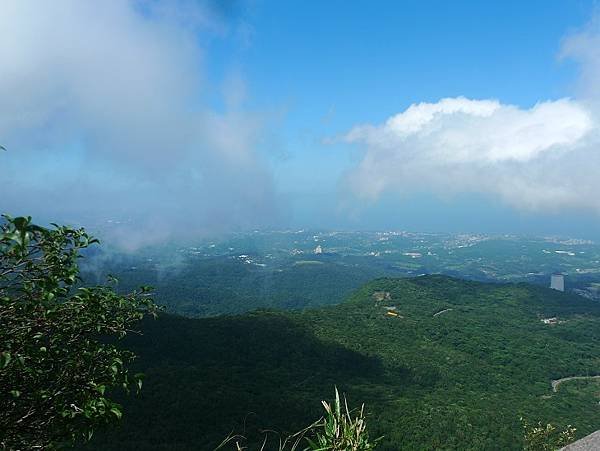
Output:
[[326, 225], [440, 363], [241, 272]]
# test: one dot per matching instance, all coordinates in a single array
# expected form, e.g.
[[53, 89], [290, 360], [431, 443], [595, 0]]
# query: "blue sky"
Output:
[[330, 65], [275, 93]]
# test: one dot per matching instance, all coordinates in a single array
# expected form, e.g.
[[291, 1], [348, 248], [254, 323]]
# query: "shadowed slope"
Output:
[[460, 380]]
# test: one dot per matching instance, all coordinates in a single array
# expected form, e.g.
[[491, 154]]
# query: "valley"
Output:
[[257, 225], [298, 269], [460, 380]]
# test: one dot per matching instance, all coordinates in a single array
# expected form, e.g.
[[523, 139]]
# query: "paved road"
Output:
[[557, 382], [443, 311]]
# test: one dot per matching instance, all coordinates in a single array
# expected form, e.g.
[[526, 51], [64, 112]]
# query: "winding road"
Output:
[[557, 382], [443, 311]]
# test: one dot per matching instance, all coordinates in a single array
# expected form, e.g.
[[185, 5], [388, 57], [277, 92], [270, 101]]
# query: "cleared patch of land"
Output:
[[382, 296]]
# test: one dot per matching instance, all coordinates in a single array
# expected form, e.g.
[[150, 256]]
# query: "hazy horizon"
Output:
[[192, 118]]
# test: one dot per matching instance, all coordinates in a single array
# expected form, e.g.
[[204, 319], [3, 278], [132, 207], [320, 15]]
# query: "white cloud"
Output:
[[541, 158], [103, 103]]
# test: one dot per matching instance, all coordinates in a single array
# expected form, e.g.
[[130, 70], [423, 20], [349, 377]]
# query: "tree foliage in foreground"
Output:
[[58, 355]]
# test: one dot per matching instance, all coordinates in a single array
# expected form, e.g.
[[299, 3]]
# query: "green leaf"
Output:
[[21, 222], [47, 316], [5, 359], [116, 412], [139, 379]]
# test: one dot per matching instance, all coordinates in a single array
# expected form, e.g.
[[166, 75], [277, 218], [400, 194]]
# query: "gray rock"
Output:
[[588, 443]]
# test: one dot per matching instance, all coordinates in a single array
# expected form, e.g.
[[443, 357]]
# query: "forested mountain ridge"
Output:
[[308, 269], [440, 363]]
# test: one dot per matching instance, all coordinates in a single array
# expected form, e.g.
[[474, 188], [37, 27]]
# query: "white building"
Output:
[[557, 282]]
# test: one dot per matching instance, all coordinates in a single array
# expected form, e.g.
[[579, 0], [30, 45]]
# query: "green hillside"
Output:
[[221, 285], [247, 271], [457, 380]]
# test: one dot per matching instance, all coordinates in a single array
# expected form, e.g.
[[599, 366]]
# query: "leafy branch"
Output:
[[58, 340]]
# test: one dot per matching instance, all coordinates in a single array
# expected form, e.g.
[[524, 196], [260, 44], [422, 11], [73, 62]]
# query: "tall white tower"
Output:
[[557, 282]]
